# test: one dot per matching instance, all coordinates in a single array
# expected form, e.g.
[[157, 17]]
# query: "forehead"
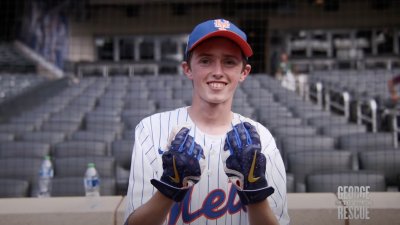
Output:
[[218, 44]]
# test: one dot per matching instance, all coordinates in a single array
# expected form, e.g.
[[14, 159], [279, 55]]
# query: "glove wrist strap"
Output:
[[174, 193], [254, 196]]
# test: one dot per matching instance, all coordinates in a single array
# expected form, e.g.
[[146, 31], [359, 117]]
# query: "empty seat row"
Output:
[[305, 163]]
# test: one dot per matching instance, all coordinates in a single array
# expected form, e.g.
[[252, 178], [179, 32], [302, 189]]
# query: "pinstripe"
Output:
[[208, 169], [151, 127], [177, 117], [169, 121], [219, 161], [280, 173], [133, 178], [148, 143], [273, 181], [159, 139], [151, 147], [142, 178], [145, 139]]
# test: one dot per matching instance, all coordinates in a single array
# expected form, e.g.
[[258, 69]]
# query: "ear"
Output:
[[245, 72], [186, 70]]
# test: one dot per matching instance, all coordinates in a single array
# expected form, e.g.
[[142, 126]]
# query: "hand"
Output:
[[245, 165], [181, 164]]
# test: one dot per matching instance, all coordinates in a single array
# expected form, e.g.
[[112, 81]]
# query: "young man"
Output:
[[204, 164]]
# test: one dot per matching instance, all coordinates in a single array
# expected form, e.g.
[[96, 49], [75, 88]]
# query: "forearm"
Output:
[[261, 213], [153, 212]]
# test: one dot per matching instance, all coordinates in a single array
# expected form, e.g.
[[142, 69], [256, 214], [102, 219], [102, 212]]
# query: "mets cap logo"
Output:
[[222, 24]]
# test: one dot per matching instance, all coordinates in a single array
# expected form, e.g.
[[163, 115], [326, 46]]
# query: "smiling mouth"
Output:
[[217, 85]]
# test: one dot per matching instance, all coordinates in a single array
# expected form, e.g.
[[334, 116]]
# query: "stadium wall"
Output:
[[310, 209], [157, 19]]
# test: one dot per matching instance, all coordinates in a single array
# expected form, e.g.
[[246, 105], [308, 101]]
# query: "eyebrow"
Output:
[[224, 55]]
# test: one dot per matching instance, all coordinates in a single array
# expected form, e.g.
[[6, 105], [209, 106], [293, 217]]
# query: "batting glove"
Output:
[[183, 163], [245, 164]]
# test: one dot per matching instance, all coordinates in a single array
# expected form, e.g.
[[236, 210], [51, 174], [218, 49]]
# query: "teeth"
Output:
[[217, 85]]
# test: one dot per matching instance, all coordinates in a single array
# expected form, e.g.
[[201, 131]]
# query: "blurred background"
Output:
[[76, 77]]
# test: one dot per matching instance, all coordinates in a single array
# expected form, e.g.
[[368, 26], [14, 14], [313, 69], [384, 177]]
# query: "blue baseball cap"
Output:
[[218, 28]]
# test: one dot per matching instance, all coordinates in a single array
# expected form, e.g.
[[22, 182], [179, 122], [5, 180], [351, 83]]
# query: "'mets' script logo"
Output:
[[222, 24], [215, 205]]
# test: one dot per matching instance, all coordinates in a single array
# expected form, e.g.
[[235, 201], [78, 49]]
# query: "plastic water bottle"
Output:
[[92, 182], [46, 174]]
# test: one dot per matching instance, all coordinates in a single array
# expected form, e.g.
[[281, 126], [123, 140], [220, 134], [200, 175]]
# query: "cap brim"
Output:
[[246, 49]]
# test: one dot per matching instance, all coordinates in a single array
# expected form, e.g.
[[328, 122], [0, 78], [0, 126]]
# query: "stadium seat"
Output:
[[128, 134], [304, 143], [245, 110], [131, 117], [73, 148], [43, 137], [35, 121], [281, 121], [106, 126], [122, 180], [67, 116], [173, 81], [366, 141], [309, 113], [169, 104], [386, 162], [110, 102], [102, 115], [329, 182], [142, 104], [326, 120], [13, 188], [20, 168], [154, 83], [302, 164], [184, 93], [24, 149], [160, 94], [273, 110], [74, 186], [139, 93], [106, 137], [307, 143], [337, 130], [64, 127], [297, 130], [122, 151], [16, 128], [76, 166], [6, 137], [290, 187]]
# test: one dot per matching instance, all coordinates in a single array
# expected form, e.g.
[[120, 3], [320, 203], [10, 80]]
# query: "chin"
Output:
[[217, 101]]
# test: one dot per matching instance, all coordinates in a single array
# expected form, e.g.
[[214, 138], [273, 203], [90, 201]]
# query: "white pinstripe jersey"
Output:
[[212, 200]]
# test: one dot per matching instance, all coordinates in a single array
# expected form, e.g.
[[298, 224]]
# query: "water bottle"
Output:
[[92, 181], [46, 173]]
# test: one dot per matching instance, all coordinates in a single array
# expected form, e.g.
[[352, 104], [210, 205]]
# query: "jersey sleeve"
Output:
[[140, 189], [276, 175]]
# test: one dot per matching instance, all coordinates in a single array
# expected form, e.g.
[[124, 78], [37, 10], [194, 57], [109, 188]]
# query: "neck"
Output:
[[213, 119]]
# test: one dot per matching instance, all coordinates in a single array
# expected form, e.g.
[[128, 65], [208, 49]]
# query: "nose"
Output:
[[218, 71]]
